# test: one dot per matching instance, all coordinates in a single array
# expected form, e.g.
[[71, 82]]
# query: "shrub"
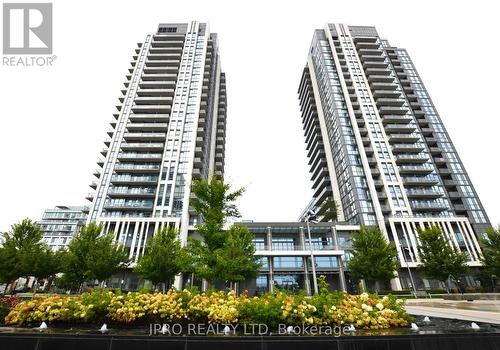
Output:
[[7, 304], [265, 309], [215, 307], [148, 307]]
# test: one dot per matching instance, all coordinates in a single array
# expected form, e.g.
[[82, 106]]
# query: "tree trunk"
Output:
[[50, 280], [35, 283], [8, 287], [446, 286]]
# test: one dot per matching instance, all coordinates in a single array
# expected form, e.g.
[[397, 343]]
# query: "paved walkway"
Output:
[[487, 311]]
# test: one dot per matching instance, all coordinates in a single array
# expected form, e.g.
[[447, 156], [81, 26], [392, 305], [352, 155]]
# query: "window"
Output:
[[326, 261], [288, 262], [259, 243], [167, 30], [283, 243]]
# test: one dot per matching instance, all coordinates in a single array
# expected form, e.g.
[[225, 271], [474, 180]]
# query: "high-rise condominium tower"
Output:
[[169, 130], [60, 224], [377, 145]]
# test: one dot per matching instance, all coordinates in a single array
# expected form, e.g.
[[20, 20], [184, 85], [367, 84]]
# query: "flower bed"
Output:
[[7, 303], [367, 311]]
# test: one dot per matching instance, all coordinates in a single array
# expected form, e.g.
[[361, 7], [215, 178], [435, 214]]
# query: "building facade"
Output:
[[286, 250], [377, 146], [168, 130], [60, 224]]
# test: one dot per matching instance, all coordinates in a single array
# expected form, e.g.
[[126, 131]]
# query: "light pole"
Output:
[[313, 263], [409, 270]]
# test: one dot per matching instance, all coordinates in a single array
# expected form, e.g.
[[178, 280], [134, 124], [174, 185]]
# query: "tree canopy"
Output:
[[439, 260], [213, 201], [373, 257], [22, 252], [236, 261], [491, 252], [329, 210], [163, 258], [92, 256]]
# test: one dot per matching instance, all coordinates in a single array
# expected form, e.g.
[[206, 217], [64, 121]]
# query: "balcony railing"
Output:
[[129, 204], [124, 178], [143, 135], [415, 180], [420, 192], [131, 155], [137, 167], [135, 191], [142, 145], [423, 168], [306, 246], [429, 205], [411, 157]]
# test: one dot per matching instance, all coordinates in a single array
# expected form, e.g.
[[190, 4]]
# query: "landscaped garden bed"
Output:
[[367, 311]]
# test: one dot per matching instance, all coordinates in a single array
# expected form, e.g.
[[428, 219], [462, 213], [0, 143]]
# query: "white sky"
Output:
[[54, 119]]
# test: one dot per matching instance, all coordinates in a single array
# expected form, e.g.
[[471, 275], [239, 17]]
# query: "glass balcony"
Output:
[[411, 158], [416, 169], [407, 148], [395, 138], [129, 204], [400, 128], [142, 146], [145, 135], [421, 180], [147, 126], [140, 156], [133, 179], [429, 205], [395, 119], [424, 193], [131, 192], [138, 167]]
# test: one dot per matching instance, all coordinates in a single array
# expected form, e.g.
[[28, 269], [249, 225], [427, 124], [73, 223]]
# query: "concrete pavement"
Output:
[[487, 311]]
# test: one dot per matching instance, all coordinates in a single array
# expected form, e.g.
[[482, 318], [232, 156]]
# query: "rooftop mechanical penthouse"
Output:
[[169, 129], [377, 145]]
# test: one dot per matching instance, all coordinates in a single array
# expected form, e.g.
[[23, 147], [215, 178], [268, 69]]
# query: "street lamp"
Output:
[[409, 270], [310, 214]]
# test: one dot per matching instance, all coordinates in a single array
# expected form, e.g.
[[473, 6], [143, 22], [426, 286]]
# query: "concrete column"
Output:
[[302, 238], [178, 282], [270, 260], [343, 283], [307, 282], [340, 261], [396, 283]]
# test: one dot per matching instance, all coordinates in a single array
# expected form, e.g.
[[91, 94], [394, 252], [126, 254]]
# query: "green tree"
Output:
[[18, 256], [439, 260], [107, 258], [47, 264], [329, 210], [236, 261], [373, 257], [213, 201], [164, 258], [9, 266], [491, 253], [92, 256]]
